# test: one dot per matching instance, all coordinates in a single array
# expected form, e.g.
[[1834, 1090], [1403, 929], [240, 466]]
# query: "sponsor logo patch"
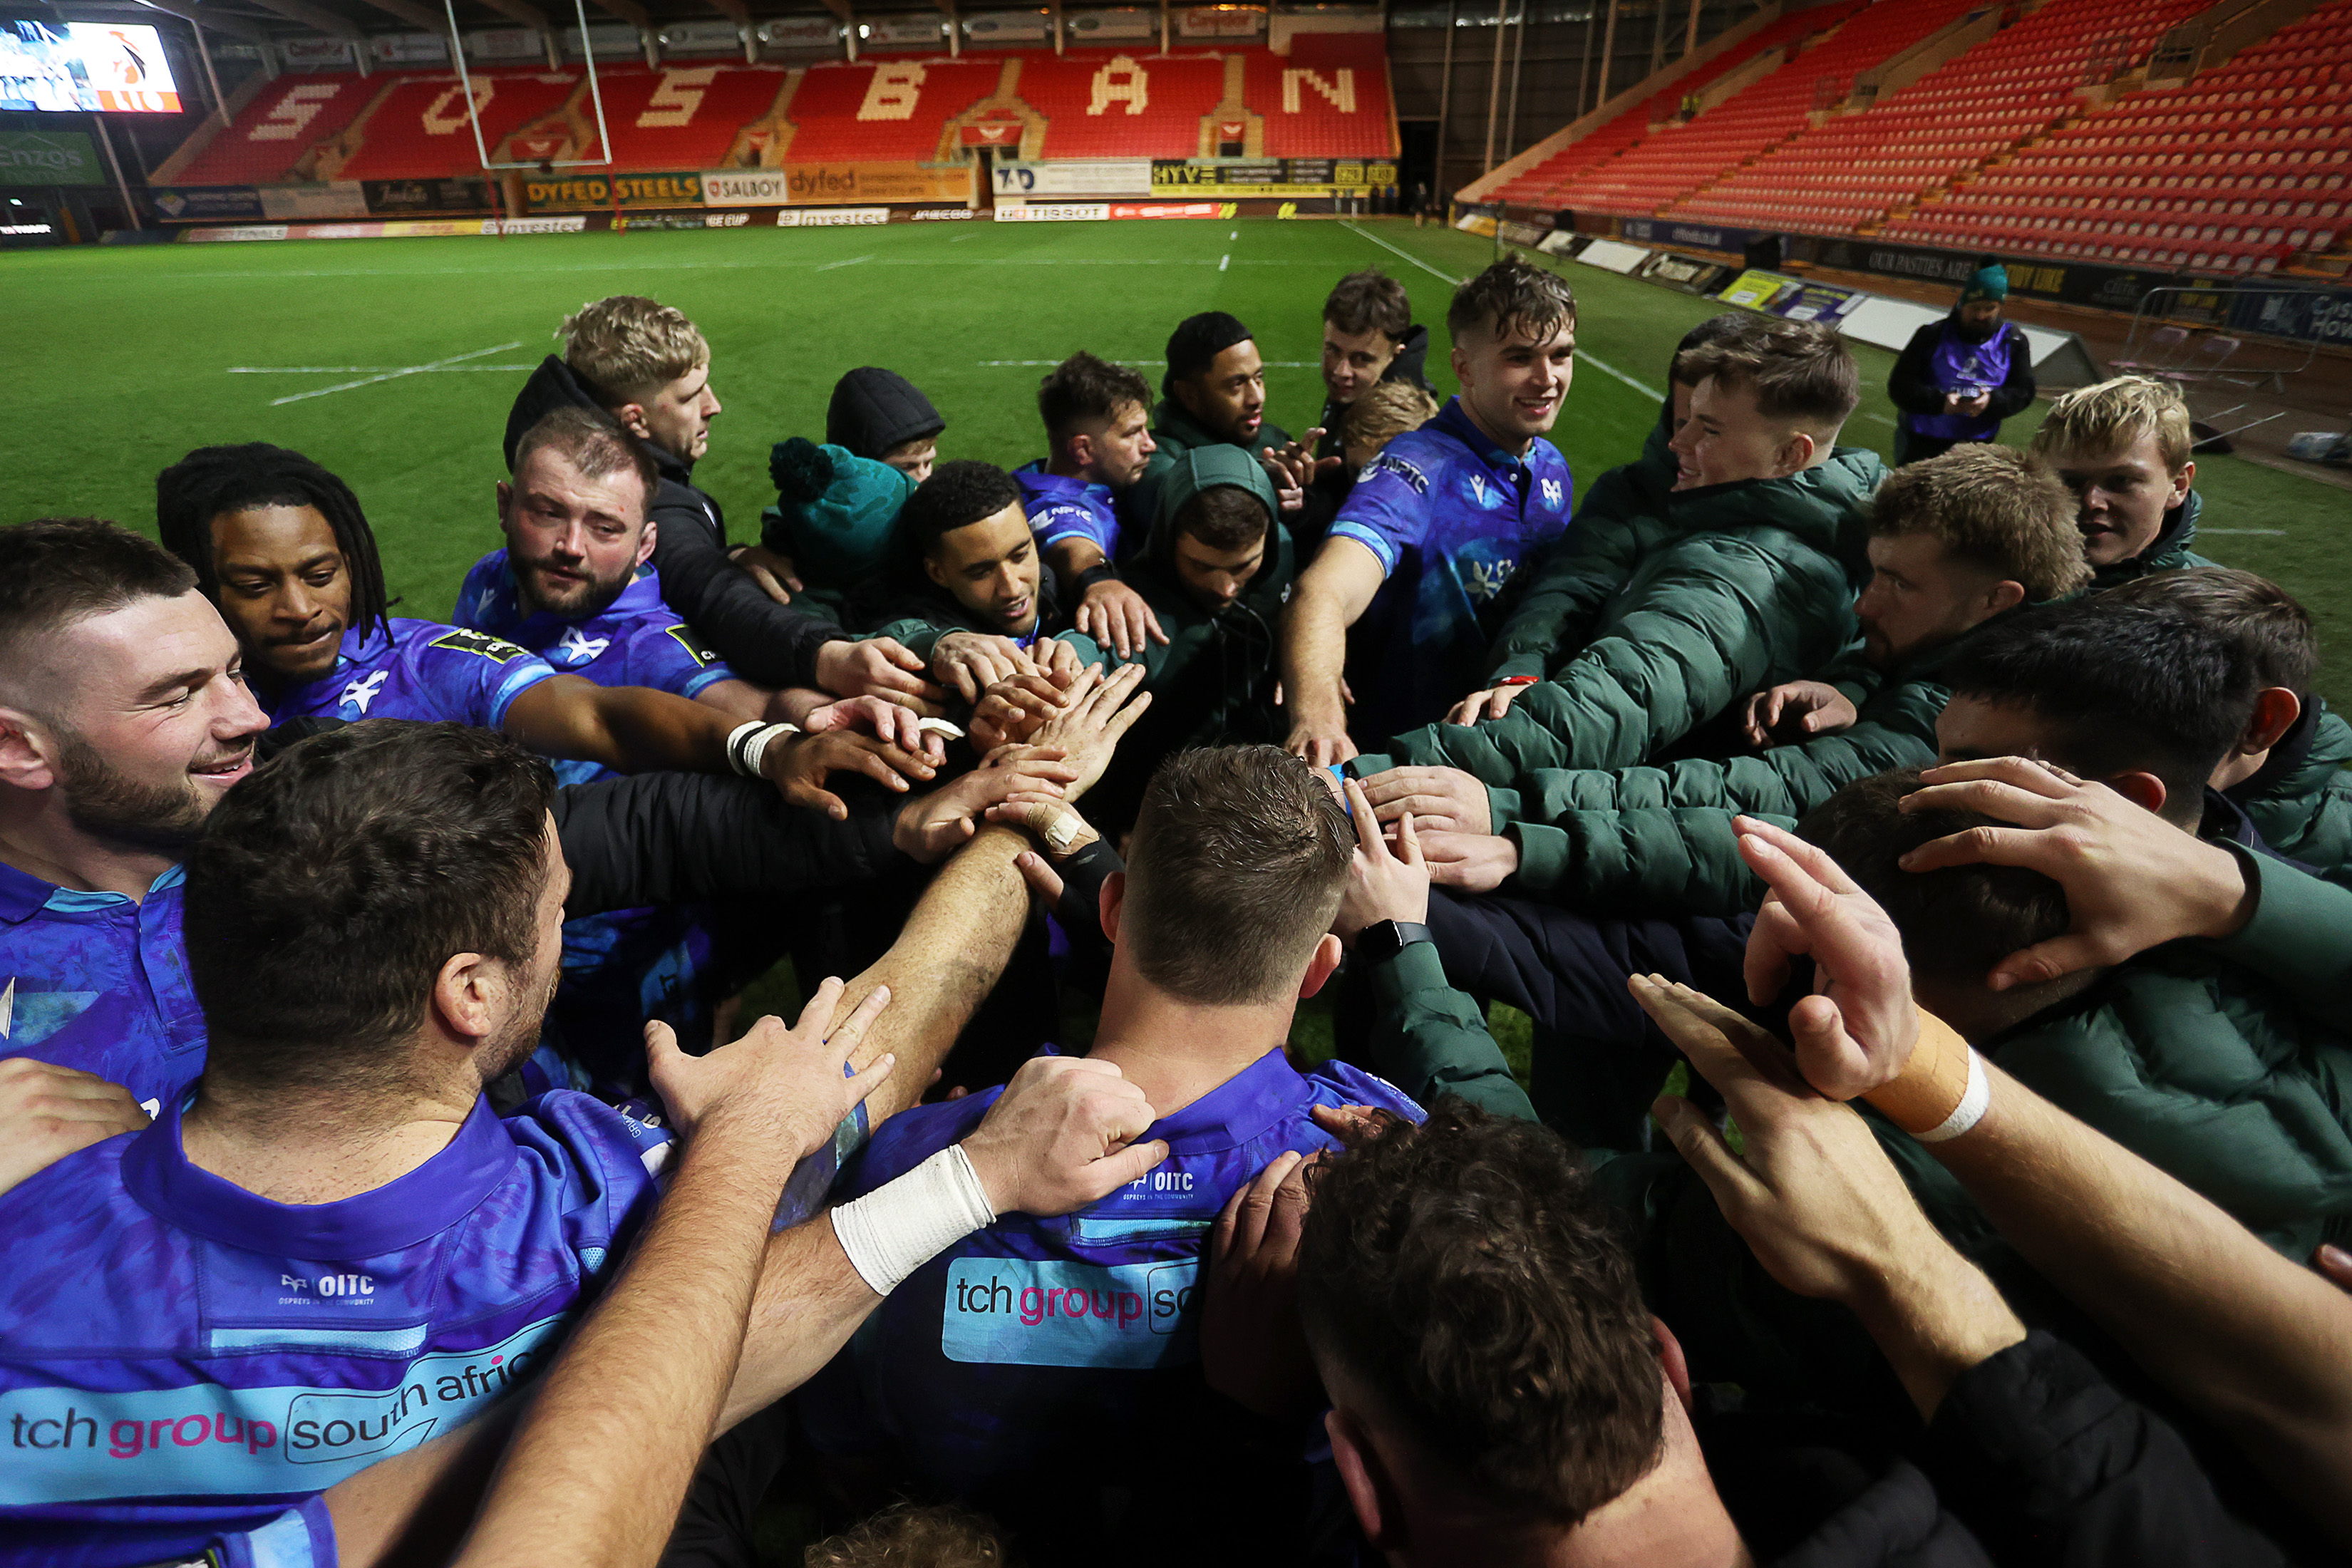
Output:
[[1026, 1312]]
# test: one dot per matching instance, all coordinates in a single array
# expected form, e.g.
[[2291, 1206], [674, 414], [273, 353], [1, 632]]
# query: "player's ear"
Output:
[[647, 541], [25, 752], [1321, 967], [632, 417], [1110, 902], [931, 569]]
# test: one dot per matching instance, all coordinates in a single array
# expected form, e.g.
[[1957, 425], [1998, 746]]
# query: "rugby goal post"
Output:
[[473, 109]]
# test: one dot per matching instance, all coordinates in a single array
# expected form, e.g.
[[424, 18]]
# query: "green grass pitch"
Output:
[[124, 358]]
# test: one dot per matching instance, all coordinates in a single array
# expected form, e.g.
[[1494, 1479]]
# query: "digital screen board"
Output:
[[77, 67]]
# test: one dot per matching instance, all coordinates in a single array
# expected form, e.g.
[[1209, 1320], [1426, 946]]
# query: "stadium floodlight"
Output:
[[473, 114]]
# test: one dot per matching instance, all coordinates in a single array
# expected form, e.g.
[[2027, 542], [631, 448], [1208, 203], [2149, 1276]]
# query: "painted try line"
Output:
[[719, 267], [1602, 365], [455, 362]]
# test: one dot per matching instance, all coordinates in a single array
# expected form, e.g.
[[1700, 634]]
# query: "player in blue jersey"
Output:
[[122, 722], [983, 1368], [1082, 497], [974, 598], [282, 547], [332, 1248], [1401, 600]]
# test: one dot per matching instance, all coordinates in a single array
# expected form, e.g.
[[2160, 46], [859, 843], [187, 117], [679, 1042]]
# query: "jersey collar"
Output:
[[399, 1215], [23, 895], [1267, 1092]]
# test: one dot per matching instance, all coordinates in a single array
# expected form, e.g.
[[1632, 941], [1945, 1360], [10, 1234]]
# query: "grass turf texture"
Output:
[[127, 355]]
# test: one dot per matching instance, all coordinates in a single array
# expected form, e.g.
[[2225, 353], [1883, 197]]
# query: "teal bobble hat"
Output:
[[834, 511], [1990, 281], [1204, 469]]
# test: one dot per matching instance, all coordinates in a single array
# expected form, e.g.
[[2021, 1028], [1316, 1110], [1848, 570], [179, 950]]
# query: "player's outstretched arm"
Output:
[[1331, 596]]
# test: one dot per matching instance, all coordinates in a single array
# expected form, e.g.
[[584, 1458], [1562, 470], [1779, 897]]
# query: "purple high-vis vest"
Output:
[[1961, 366]]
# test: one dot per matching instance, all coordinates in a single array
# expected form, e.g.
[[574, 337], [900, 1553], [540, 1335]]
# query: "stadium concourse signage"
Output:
[[1699, 235], [205, 204], [1097, 212], [1270, 176], [835, 185], [48, 158]]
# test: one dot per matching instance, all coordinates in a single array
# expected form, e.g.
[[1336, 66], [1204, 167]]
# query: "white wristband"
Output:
[[902, 1225], [747, 743], [1975, 1100]]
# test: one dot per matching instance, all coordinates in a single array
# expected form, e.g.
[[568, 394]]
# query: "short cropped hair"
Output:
[[1468, 1273], [1513, 295], [2273, 631], [1993, 507], [57, 571], [910, 1535], [2113, 415], [1730, 326], [1224, 517], [1801, 372], [1363, 301], [2125, 688], [328, 890], [1957, 922], [1386, 410], [1239, 857], [212, 481], [596, 443], [957, 494], [627, 347], [1083, 389]]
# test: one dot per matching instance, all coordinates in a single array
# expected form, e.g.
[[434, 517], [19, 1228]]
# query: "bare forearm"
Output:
[[411, 1511], [1314, 652], [648, 730], [602, 1458], [2255, 1341], [809, 1301], [1934, 1318], [950, 954]]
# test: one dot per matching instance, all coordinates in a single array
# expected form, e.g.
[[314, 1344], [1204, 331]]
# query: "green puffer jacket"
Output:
[[2167, 552], [1626, 841], [2301, 801], [1756, 587], [1623, 519], [2226, 1064]]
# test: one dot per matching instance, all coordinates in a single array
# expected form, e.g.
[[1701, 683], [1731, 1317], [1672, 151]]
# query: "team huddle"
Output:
[[1931, 889]]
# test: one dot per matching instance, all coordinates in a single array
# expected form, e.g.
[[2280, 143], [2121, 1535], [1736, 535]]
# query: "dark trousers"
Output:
[[1598, 1060]]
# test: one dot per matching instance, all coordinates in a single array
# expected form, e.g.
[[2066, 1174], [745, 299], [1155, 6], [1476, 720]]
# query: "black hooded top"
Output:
[[764, 642]]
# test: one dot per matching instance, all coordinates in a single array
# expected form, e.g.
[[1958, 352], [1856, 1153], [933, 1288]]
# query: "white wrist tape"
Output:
[[900, 1227], [747, 743], [1975, 1100]]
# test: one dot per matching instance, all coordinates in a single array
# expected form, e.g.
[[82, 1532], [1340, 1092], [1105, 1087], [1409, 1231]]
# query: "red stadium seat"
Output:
[[1328, 100], [288, 118], [419, 129], [879, 111], [684, 116], [1114, 103]]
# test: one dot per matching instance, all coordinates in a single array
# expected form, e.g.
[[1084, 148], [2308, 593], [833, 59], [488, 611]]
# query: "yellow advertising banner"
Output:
[[570, 193], [860, 184]]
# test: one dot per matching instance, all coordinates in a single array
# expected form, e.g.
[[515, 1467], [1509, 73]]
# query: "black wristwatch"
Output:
[[1100, 572], [1383, 940]]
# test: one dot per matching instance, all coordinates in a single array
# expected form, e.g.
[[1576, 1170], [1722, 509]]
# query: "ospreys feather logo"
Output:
[[1551, 494], [576, 647], [362, 692]]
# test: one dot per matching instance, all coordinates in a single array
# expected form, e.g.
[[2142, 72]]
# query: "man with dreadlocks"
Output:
[[282, 547]]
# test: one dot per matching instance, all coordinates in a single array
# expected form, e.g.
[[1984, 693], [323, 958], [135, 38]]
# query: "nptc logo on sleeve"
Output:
[[1025, 1313]]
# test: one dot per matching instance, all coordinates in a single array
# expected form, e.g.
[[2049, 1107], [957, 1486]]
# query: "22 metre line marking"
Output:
[[454, 362]]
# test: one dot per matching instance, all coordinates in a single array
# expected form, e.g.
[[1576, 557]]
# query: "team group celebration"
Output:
[[1929, 890]]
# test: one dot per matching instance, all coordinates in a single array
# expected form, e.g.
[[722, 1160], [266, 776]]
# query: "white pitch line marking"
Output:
[[2265, 533], [851, 262], [1224, 261], [394, 375], [353, 369], [1270, 364]]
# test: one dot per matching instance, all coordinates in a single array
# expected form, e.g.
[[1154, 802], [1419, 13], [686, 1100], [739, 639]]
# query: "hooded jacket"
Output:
[[764, 642], [1213, 680], [1174, 432], [1913, 388], [1755, 586]]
